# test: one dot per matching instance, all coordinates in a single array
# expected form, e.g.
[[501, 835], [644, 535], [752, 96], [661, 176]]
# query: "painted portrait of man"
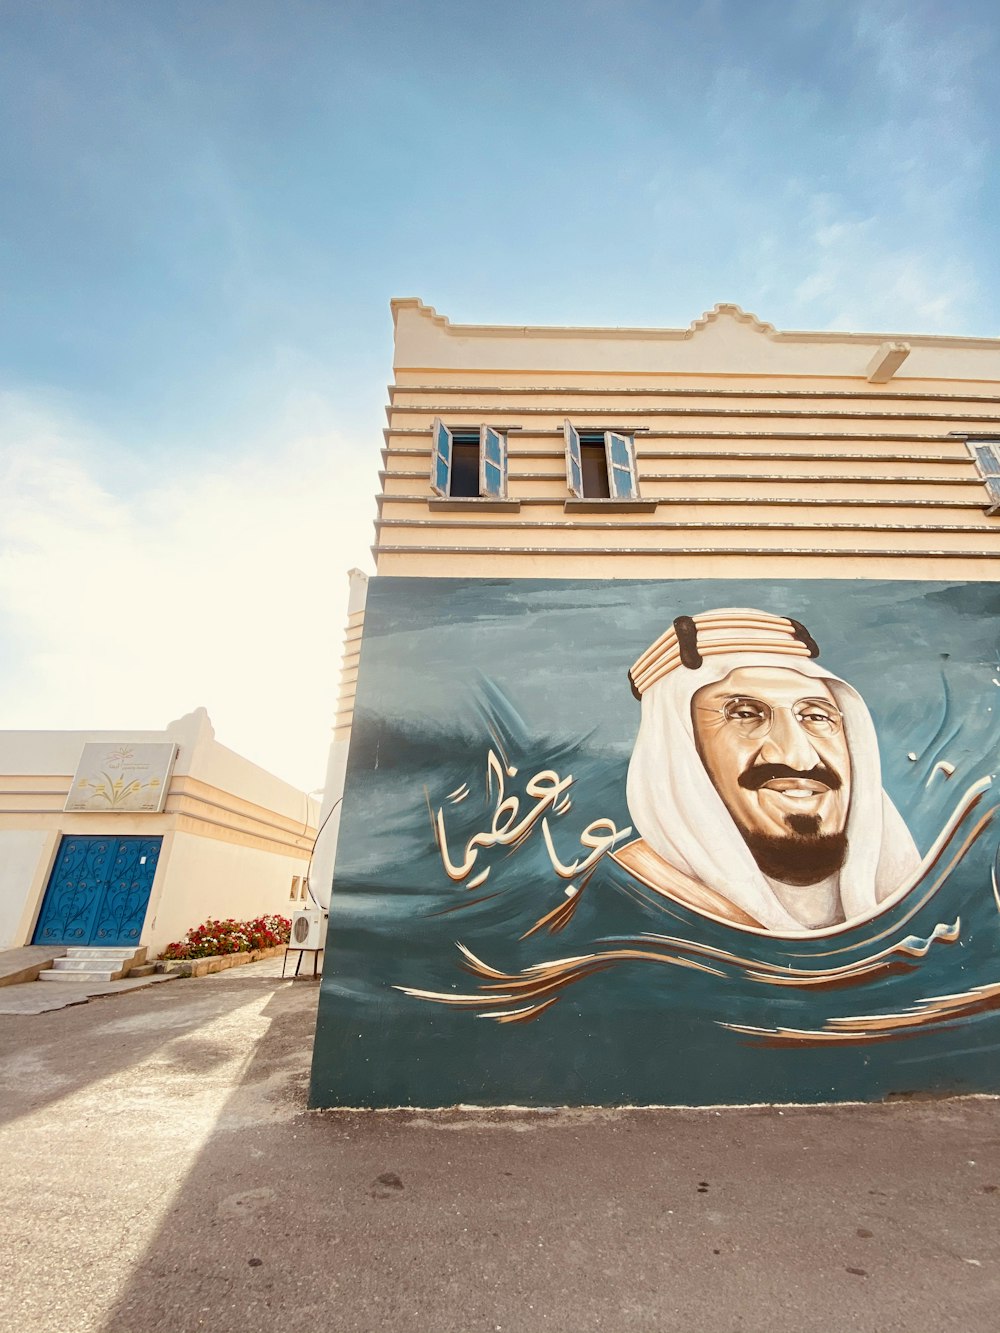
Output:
[[755, 782]]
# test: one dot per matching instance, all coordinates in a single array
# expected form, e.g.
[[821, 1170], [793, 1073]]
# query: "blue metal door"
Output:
[[98, 891], [122, 909]]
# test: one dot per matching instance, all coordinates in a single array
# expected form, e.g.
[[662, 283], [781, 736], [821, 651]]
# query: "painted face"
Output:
[[772, 741]]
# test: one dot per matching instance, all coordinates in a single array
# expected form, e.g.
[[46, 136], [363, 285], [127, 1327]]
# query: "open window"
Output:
[[467, 463], [600, 465], [986, 455]]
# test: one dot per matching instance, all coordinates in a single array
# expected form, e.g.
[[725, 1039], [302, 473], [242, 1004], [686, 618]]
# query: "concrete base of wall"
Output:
[[201, 967]]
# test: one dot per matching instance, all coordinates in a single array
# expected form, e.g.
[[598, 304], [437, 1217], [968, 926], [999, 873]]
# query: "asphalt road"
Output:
[[161, 1172]]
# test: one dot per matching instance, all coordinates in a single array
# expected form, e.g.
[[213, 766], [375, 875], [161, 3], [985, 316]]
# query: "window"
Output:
[[467, 463], [594, 466], [986, 455], [464, 480], [600, 465]]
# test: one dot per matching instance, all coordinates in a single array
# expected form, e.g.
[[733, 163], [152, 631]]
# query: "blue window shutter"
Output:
[[574, 462], [987, 457], [440, 458], [622, 480], [492, 463]]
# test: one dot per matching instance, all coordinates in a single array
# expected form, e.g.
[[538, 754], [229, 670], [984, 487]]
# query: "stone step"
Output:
[[90, 965], [139, 955], [144, 970], [78, 965], [97, 974]]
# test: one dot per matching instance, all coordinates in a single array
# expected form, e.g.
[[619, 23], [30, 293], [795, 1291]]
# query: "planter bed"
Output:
[[201, 967]]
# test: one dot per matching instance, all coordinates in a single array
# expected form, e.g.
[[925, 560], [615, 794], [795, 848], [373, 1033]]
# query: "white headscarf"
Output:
[[679, 813]]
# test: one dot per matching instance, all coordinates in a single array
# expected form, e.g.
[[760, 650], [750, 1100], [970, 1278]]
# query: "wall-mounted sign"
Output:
[[122, 778]]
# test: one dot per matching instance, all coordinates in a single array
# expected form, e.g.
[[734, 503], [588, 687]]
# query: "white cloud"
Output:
[[869, 229], [865, 274], [128, 597], [931, 143]]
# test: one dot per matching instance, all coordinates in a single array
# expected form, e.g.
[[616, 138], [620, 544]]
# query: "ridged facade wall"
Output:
[[780, 475]]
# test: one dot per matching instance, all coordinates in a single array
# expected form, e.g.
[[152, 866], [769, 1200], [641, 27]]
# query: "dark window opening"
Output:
[[464, 466], [594, 467]]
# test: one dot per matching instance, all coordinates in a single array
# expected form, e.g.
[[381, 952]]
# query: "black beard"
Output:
[[803, 856]]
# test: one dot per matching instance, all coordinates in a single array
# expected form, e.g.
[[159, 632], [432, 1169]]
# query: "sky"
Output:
[[206, 208]]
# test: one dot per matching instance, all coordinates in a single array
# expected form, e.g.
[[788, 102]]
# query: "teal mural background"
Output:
[[451, 666]]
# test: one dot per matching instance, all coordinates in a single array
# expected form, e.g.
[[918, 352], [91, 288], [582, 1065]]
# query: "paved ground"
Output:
[[41, 997], [21, 965], [161, 1173], [22, 993]]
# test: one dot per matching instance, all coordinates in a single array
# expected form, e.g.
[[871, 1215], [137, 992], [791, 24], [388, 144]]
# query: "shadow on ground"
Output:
[[221, 1202]]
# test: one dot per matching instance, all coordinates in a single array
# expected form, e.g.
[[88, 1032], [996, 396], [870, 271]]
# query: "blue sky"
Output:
[[206, 208]]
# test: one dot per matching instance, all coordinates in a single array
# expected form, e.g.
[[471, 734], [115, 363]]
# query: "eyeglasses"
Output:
[[754, 718]]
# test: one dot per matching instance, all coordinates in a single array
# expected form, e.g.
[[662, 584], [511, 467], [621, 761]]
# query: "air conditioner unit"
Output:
[[308, 929]]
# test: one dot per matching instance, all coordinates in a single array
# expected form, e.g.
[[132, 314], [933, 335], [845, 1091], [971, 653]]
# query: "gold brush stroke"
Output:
[[521, 1015], [779, 974], [557, 919], [882, 1027], [502, 753], [777, 1037], [560, 916], [431, 815], [934, 1008], [864, 967], [763, 971], [466, 903], [540, 979]]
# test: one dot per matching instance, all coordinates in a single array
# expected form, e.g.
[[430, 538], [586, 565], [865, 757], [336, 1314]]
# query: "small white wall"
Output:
[[325, 851], [724, 340], [24, 860], [42, 753], [209, 878], [197, 876], [223, 768]]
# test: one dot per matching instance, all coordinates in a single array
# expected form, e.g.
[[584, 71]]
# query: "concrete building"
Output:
[[560, 507], [130, 838], [807, 454]]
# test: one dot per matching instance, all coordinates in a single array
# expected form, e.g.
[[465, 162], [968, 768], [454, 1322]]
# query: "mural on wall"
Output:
[[779, 859]]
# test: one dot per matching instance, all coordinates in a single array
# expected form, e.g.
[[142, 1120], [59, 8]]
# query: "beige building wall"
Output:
[[776, 454], [324, 855], [216, 879], [234, 835], [795, 454]]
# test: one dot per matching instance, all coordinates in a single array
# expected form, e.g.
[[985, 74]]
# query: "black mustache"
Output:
[[752, 779]]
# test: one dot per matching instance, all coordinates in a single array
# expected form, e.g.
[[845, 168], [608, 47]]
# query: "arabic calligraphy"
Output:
[[512, 824], [519, 997]]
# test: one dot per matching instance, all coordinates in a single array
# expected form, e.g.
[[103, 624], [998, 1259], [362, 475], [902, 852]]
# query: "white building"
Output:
[[114, 838]]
